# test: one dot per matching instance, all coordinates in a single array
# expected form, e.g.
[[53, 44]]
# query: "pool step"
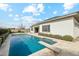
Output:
[[48, 41], [55, 49]]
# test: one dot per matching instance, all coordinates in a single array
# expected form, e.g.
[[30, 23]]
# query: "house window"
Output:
[[46, 28]]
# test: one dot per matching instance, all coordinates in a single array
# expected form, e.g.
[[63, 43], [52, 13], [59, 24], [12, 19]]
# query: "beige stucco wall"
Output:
[[76, 29], [31, 30], [63, 27], [76, 32]]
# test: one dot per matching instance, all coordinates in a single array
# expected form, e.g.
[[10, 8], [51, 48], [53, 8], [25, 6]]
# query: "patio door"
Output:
[[36, 29]]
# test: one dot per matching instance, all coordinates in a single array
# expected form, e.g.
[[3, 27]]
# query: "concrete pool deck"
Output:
[[4, 49], [67, 48]]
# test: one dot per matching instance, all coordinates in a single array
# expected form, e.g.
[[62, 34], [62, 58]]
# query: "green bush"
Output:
[[57, 36], [3, 34], [67, 38], [52, 36], [3, 31]]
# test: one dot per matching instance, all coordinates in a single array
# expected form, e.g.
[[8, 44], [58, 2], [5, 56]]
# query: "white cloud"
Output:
[[10, 9], [16, 15], [40, 7], [4, 6], [29, 9], [35, 9], [68, 6], [55, 12], [16, 19], [65, 12], [29, 20], [10, 15]]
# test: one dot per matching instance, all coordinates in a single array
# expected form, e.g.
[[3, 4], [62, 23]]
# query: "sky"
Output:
[[14, 14]]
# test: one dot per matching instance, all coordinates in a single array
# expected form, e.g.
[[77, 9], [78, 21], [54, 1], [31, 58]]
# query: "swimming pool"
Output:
[[23, 45]]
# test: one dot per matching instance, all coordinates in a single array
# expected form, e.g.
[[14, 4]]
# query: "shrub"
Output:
[[3, 31], [3, 34], [57, 36], [67, 38], [52, 36]]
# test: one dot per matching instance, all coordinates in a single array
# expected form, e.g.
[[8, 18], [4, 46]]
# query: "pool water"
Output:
[[23, 45]]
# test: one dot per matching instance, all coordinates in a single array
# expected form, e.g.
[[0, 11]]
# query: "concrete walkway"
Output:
[[64, 49], [4, 49]]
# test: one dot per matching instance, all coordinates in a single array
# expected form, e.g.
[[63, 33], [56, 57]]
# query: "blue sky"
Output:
[[15, 14]]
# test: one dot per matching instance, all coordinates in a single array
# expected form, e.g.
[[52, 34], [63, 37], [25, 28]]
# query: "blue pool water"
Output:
[[23, 45]]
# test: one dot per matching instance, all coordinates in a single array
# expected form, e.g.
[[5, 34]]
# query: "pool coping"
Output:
[[4, 49]]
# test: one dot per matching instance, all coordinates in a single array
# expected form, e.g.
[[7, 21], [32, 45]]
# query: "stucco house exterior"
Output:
[[60, 25]]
